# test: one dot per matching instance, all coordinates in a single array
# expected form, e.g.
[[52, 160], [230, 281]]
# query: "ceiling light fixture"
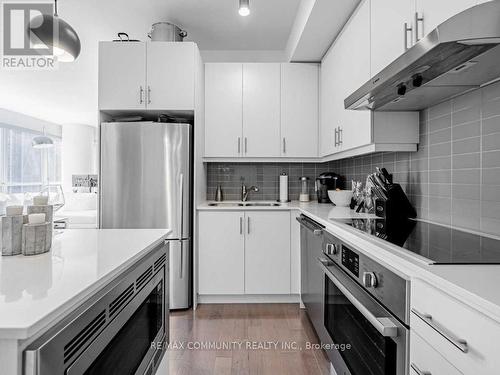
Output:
[[58, 34], [42, 141], [244, 8]]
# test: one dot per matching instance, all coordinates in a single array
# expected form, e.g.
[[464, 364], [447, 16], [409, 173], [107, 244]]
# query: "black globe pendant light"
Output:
[[58, 34]]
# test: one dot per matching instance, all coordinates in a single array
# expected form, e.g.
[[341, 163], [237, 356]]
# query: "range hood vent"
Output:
[[460, 55]]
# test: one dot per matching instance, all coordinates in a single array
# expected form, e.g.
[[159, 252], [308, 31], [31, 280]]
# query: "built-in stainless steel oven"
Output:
[[366, 312], [122, 331]]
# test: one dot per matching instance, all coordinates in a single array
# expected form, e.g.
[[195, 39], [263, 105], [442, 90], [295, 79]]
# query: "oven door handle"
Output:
[[383, 325]]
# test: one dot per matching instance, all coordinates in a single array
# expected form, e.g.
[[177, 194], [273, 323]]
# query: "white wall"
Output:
[[23, 121], [243, 56], [79, 152]]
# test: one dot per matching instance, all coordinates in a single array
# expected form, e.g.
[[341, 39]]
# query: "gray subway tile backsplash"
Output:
[[453, 178]]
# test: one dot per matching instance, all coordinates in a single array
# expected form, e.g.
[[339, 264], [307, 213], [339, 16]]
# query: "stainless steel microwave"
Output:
[[122, 330]]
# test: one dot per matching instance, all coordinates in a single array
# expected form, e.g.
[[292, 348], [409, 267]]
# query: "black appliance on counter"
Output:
[[327, 181]]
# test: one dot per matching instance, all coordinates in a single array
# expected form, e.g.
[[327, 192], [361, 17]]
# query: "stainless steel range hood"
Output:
[[460, 55]]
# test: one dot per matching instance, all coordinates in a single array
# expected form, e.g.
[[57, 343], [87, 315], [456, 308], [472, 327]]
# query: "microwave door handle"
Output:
[[383, 325]]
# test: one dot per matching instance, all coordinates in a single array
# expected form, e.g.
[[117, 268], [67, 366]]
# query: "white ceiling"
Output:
[[216, 25], [326, 19]]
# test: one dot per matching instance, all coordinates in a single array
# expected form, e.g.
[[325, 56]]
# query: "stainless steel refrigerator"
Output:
[[145, 182]]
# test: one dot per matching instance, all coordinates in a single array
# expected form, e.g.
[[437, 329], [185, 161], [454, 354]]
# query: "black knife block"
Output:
[[397, 205]]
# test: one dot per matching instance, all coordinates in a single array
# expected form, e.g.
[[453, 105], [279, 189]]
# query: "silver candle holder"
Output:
[[36, 238], [11, 234]]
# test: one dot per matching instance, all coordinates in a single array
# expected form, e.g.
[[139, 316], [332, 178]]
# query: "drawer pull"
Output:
[[418, 371], [459, 343]]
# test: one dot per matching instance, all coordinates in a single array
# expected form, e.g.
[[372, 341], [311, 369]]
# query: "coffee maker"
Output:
[[324, 182]]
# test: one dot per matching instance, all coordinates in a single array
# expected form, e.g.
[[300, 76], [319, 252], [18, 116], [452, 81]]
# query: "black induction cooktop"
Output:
[[436, 243]]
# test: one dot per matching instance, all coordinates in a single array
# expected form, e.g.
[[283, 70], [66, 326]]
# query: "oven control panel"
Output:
[[350, 260]]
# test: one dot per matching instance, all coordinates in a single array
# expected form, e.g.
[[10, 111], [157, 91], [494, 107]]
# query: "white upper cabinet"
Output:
[[391, 24], [398, 24], [170, 75], [436, 12], [261, 109], [137, 75], [355, 126], [223, 110], [345, 68], [122, 75], [331, 106], [299, 110]]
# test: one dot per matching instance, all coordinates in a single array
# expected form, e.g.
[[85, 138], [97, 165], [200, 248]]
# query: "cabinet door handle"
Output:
[[336, 136], [418, 371], [239, 145], [248, 224], [284, 145], [141, 95], [149, 94], [241, 225], [341, 135], [458, 343], [246, 145], [417, 20], [406, 29]]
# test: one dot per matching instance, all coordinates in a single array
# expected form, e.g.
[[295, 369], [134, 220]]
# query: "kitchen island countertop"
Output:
[[38, 290]]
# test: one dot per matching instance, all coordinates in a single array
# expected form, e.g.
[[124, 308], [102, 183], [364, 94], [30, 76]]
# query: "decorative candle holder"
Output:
[[11, 234], [36, 238], [48, 210]]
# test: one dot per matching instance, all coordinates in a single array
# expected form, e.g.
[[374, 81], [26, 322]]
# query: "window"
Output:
[[23, 169]]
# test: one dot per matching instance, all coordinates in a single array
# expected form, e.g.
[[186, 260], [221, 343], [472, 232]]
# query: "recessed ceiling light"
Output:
[[244, 8]]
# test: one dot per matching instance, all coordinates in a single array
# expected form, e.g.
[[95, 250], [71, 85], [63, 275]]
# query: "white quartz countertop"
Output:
[[314, 208], [475, 285], [35, 291]]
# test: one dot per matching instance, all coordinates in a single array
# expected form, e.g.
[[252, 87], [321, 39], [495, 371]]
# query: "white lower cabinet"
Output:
[[221, 253], [426, 360], [244, 252], [460, 335], [267, 252]]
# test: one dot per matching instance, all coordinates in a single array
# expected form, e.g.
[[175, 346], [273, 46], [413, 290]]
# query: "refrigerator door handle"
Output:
[[182, 261], [181, 211]]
